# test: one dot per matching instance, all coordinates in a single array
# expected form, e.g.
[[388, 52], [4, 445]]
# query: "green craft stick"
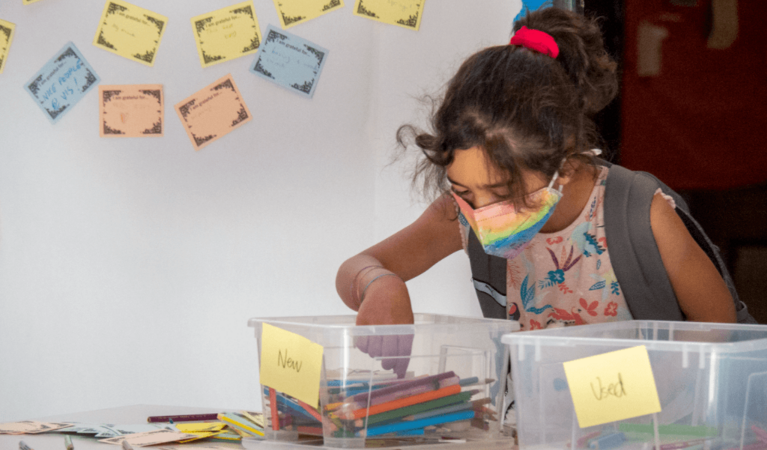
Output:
[[681, 430], [419, 407]]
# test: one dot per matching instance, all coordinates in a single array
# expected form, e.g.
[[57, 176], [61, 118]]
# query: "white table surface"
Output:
[[137, 414]]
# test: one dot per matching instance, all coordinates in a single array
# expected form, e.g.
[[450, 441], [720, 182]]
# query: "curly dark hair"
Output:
[[526, 110]]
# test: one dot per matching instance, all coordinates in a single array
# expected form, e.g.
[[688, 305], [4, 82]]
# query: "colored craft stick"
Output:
[[440, 411], [273, 406], [402, 402], [606, 441], [402, 426], [312, 411], [314, 431], [256, 418], [411, 411], [295, 406], [401, 387], [240, 422], [183, 418], [405, 393]]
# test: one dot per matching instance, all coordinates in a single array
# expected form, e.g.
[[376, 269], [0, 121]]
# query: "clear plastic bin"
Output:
[[711, 381], [465, 355]]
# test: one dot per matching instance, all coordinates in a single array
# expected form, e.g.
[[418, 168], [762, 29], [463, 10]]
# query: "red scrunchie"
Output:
[[537, 40]]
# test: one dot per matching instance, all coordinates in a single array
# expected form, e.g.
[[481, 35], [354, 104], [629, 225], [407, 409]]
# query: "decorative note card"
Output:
[[130, 31], [6, 37], [405, 13], [293, 12], [213, 112], [612, 386], [62, 82], [290, 61], [131, 110], [227, 33], [290, 363]]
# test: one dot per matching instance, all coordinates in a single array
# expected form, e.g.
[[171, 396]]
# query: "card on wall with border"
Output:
[[294, 12], [132, 110], [6, 38], [62, 82], [213, 112], [403, 13], [290, 61], [227, 33], [130, 31]]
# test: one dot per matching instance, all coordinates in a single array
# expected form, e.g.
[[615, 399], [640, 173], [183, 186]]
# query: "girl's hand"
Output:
[[386, 302]]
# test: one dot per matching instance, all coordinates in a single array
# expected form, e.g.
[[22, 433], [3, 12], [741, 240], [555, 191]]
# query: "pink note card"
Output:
[[134, 110], [213, 112]]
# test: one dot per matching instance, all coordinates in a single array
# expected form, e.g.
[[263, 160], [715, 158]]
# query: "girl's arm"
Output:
[[407, 254], [702, 293]]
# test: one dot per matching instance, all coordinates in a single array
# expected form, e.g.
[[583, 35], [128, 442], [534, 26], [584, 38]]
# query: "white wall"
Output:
[[129, 267]]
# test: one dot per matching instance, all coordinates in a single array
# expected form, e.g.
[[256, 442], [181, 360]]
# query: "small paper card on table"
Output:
[[62, 82], [130, 31], [6, 37], [612, 386], [293, 12], [213, 112], [290, 363], [404, 13], [290, 61], [27, 2], [149, 438], [134, 110], [226, 33]]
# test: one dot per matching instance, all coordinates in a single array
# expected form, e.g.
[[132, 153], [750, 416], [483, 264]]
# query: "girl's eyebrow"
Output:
[[487, 186]]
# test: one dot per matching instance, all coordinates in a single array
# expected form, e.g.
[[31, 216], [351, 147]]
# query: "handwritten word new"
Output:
[[287, 362], [611, 390]]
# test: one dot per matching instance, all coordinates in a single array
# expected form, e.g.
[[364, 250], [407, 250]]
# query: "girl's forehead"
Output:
[[472, 168]]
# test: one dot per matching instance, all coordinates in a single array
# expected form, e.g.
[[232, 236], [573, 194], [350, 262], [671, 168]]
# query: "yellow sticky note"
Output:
[[6, 37], [612, 386], [293, 12], [291, 363], [130, 31], [200, 427], [404, 13], [226, 33]]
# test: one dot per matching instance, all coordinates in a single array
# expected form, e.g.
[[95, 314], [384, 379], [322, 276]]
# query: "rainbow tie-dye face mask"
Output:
[[501, 229]]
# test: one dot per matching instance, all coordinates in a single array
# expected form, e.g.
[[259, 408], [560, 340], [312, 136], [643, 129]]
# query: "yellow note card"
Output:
[[130, 31], [404, 13], [227, 33], [6, 37], [293, 12], [612, 386], [200, 427], [291, 363]]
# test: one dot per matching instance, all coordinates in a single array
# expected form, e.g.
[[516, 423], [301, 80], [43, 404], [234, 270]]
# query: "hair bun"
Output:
[[581, 53]]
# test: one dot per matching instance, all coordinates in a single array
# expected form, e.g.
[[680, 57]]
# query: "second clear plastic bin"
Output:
[[711, 381], [455, 382]]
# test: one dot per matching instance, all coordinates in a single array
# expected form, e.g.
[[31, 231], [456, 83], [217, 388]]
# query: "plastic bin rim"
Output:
[[540, 336], [387, 329]]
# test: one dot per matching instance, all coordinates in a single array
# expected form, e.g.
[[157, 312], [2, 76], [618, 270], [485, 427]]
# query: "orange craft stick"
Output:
[[273, 406], [403, 402]]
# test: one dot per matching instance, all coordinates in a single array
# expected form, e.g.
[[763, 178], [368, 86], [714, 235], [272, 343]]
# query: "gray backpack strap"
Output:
[[489, 276], [634, 252]]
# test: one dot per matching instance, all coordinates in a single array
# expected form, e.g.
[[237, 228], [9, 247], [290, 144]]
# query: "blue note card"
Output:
[[62, 82], [290, 61]]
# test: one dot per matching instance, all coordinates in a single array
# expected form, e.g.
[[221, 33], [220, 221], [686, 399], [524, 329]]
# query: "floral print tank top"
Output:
[[565, 278]]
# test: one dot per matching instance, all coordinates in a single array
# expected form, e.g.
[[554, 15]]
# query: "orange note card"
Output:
[[133, 110], [212, 112]]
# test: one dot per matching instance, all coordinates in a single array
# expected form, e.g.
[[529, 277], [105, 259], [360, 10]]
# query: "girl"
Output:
[[510, 154]]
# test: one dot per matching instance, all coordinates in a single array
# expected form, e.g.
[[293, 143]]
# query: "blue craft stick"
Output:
[[445, 410], [295, 407], [414, 424], [606, 441], [468, 381]]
